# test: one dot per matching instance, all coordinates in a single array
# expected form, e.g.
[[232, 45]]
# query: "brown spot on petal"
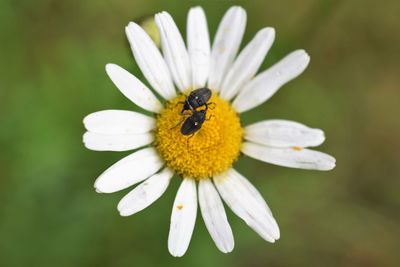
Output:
[[297, 148], [179, 206]]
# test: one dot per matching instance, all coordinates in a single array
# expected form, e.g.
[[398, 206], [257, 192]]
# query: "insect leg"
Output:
[[180, 103], [187, 141], [183, 113], [211, 105], [179, 123], [209, 118]]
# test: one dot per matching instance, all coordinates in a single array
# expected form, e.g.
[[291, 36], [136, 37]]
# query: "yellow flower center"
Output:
[[211, 150]]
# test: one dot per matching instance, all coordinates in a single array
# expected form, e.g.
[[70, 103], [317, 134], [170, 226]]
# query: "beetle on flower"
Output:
[[206, 161]]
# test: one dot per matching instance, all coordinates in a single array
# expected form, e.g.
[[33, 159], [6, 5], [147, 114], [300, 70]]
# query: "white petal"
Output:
[[226, 45], [247, 205], [264, 85], [128, 171], [198, 42], [145, 194], [118, 122], [247, 63], [133, 88], [150, 61], [255, 194], [116, 142], [214, 216], [283, 133], [290, 157], [183, 218], [174, 50]]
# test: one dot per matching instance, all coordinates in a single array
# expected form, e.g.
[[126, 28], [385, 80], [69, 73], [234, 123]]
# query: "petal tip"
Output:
[[321, 136], [304, 55], [268, 30], [237, 8], [99, 187], [277, 235], [97, 190], [331, 166], [228, 248], [132, 25], [110, 68], [124, 213], [196, 9], [85, 121], [175, 253]]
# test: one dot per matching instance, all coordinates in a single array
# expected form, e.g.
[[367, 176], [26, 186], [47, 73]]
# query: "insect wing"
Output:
[[189, 126], [200, 97], [193, 123]]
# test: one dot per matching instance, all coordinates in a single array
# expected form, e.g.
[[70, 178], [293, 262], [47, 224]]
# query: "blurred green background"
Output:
[[52, 74]]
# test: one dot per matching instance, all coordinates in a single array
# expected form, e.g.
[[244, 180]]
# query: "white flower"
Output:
[[207, 158]]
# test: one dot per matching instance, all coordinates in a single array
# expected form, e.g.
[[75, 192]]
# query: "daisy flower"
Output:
[[203, 162]]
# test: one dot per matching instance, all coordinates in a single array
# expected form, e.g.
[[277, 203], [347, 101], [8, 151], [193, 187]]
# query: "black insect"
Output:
[[193, 118], [197, 98], [194, 122]]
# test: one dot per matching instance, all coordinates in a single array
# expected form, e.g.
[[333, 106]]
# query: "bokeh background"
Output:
[[52, 74]]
